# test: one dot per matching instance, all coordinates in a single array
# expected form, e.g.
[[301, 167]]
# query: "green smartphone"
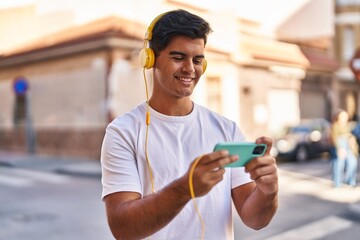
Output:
[[245, 151]]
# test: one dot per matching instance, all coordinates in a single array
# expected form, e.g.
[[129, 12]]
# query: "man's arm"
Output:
[[257, 202], [133, 217]]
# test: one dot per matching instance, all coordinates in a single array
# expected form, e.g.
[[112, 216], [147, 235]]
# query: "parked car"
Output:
[[310, 139]]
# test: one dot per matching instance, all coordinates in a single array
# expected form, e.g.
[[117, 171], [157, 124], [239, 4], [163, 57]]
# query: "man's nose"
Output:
[[188, 66]]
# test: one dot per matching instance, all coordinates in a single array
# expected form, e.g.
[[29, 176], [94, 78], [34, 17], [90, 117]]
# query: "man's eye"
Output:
[[198, 61], [177, 58]]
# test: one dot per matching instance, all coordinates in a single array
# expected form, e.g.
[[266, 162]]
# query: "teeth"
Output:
[[185, 79]]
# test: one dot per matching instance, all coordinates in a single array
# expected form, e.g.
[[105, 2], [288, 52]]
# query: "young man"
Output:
[[181, 131]]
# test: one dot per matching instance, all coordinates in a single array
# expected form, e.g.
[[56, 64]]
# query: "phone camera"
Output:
[[258, 150]]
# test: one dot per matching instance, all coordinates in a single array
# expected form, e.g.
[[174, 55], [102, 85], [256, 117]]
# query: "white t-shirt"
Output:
[[173, 144]]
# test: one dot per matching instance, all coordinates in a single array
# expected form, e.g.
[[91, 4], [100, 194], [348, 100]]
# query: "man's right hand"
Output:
[[209, 171]]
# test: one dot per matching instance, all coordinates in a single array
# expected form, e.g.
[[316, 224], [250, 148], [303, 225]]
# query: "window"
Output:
[[348, 43], [214, 94]]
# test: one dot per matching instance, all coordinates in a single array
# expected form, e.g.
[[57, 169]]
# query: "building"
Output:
[[81, 77], [347, 40]]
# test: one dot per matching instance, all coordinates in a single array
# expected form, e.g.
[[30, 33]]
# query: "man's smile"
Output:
[[185, 79]]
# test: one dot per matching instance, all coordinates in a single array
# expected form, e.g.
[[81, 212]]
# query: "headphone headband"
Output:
[[146, 55], [148, 34]]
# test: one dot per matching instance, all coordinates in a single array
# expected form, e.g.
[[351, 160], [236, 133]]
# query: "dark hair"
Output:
[[175, 23]]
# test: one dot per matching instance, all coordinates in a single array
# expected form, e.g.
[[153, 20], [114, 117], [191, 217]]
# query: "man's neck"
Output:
[[180, 107]]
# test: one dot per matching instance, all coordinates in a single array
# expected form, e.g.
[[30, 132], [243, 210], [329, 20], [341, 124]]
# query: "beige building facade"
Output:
[[347, 41]]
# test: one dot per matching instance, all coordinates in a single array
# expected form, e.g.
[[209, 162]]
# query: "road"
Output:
[[38, 205], [309, 208], [42, 204]]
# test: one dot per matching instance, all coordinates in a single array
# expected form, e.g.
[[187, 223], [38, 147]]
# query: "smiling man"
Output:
[[151, 170]]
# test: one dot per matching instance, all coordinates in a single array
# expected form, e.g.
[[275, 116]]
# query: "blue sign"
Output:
[[21, 85]]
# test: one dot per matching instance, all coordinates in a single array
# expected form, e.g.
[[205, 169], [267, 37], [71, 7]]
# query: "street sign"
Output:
[[20, 85], [355, 64]]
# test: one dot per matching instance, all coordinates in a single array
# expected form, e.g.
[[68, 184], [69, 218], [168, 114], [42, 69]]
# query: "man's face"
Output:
[[178, 68]]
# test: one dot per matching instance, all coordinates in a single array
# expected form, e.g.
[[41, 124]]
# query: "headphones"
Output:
[[147, 55]]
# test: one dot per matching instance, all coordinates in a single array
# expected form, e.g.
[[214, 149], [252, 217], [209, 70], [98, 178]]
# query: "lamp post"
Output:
[[21, 89]]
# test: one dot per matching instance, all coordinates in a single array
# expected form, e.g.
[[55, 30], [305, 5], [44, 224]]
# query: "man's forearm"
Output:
[[140, 218], [259, 209]]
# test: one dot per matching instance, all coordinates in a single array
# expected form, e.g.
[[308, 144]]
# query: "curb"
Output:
[[61, 165], [80, 169]]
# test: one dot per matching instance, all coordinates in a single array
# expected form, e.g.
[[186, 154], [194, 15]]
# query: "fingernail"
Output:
[[225, 152]]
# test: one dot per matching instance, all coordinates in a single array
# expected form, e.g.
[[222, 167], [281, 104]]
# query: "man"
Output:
[[181, 131]]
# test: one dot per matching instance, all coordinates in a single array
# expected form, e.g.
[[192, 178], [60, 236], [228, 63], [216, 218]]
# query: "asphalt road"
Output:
[[37, 205], [309, 208], [53, 200]]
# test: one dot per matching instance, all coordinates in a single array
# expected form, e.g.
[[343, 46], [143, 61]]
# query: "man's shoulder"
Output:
[[128, 118], [212, 114]]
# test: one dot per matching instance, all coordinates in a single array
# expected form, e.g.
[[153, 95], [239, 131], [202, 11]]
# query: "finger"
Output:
[[259, 172], [265, 140], [216, 156], [221, 162], [260, 162]]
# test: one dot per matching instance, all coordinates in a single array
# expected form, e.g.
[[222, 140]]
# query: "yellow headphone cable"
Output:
[[191, 173]]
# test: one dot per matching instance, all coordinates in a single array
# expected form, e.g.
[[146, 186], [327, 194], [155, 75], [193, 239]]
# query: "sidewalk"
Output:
[[64, 165], [314, 179]]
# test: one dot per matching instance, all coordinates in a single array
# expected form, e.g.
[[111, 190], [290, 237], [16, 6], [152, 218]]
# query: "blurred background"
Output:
[[67, 68], [271, 64]]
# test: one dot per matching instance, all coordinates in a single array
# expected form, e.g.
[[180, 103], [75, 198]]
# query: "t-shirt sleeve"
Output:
[[118, 163]]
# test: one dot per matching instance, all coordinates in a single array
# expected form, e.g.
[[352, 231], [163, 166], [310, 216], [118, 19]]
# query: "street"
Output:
[[39, 204], [309, 208]]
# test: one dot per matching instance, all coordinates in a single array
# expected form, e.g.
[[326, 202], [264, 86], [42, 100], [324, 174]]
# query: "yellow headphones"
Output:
[[147, 55]]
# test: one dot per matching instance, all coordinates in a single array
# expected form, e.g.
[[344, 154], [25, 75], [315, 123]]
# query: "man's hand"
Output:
[[263, 170], [257, 202], [209, 171]]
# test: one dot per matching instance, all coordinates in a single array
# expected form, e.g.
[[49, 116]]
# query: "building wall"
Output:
[[317, 97], [68, 105], [66, 92], [268, 101], [259, 101], [126, 85], [347, 40], [347, 25]]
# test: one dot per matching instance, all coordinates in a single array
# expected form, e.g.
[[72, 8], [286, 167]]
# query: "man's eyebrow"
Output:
[[183, 54]]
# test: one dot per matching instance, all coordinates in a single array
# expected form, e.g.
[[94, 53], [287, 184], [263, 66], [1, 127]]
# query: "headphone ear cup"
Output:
[[204, 65], [147, 58]]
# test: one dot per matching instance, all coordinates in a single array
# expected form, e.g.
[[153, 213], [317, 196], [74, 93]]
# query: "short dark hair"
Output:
[[175, 23]]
